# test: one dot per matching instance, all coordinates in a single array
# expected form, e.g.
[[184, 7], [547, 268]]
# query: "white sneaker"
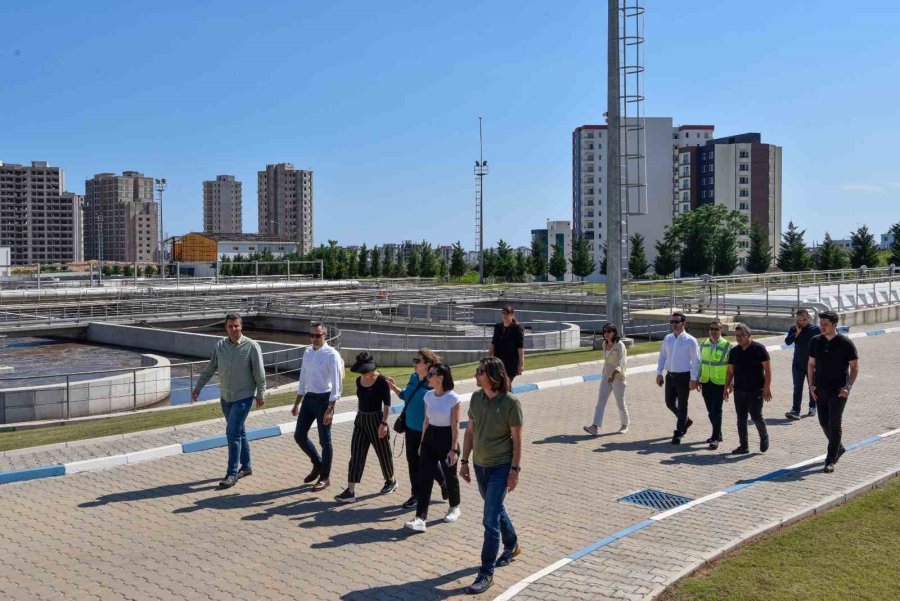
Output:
[[592, 430], [452, 515], [623, 430], [416, 525]]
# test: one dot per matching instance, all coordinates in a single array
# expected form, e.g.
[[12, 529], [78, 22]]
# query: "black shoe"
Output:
[[713, 445], [411, 502], [709, 440], [763, 444], [507, 556], [812, 411], [687, 426], [444, 492], [829, 468], [313, 474], [389, 487], [482, 583], [345, 497], [740, 451], [841, 452], [792, 415], [228, 482], [676, 437], [244, 473]]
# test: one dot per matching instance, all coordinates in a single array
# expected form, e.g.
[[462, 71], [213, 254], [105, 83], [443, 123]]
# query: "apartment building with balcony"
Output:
[[222, 205], [285, 204], [39, 221], [121, 219]]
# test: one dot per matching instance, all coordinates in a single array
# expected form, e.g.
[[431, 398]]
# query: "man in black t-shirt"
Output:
[[831, 357], [508, 343], [750, 376]]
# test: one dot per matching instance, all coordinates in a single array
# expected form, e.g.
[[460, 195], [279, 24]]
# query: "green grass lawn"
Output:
[[851, 552], [121, 424]]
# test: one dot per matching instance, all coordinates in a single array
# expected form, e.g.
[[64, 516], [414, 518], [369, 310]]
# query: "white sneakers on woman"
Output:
[[416, 525], [452, 515]]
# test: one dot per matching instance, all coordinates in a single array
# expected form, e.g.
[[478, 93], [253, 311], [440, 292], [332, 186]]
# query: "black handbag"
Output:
[[400, 423]]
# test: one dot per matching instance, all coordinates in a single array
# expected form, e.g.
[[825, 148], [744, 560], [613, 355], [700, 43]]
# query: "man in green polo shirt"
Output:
[[242, 376], [494, 433]]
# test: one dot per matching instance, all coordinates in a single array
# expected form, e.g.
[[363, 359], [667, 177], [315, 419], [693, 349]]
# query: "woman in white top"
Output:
[[613, 381], [440, 445]]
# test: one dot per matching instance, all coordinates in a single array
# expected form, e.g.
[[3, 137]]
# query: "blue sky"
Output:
[[382, 101]]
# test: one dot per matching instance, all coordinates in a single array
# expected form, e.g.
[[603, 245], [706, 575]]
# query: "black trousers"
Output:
[[712, 396], [831, 414], [749, 403], [677, 390], [435, 448], [365, 434], [413, 440]]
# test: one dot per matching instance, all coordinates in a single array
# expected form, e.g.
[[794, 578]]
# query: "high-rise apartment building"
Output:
[[649, 200], [285, 199], [222, 205], [740, 172], [39, 222], [121, 219]]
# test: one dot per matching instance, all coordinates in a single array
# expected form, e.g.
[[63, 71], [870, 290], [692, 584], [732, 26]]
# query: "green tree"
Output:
[[668, 253], [637, 259], [128, 271], [759, 259], [537, 261], [116, 270], [505, 267], [725, 257], [387, 266], [428, 260], [443, 270], [412, 262], [830, 256], [458, 265], [894, 258], [352, 264], [604, 263], [863, 250], [149, 271], [490, 263], [793, 254], [521, 266], [341, 263], [697, 232], [582, 258], [362, 262], [375, 267], [398, 268], [557, 266]]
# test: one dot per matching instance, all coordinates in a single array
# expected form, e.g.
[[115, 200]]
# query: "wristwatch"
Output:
[[848, 387], [515, 468]]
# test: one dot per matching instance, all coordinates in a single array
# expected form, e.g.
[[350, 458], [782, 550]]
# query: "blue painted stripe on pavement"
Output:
[[869, 440], [610, 539], [850, 447], [784, 346], [876, 333], [592, 377], [737, 487], [397, 408], [203, 444], [32, 473], [267, 432], [520, 388]]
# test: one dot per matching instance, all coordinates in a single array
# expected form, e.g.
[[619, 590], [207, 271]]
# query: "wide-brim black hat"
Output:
[[364, 364]]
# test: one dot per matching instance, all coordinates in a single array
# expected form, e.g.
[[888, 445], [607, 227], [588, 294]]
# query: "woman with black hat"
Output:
[[370, 427]]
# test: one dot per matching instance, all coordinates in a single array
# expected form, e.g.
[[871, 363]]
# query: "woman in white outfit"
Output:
[[616, 357]]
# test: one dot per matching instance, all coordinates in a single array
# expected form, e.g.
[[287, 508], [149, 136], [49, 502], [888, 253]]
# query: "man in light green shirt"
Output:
[[242, 376]]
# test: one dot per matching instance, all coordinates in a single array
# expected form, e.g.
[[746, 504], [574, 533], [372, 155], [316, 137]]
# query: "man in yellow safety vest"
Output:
[[713, 367]]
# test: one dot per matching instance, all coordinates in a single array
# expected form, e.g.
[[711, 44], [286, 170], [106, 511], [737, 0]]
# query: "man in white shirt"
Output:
[[679, 356], [321, 380]]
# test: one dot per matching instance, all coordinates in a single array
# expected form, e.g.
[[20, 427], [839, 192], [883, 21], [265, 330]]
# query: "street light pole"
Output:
[[614, 310], [160, 188], [481, 169]]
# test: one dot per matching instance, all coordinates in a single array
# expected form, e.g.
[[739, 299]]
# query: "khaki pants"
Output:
[[618, 389]]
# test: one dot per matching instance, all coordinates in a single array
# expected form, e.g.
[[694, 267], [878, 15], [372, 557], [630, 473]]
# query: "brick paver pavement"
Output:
[[160, 530]]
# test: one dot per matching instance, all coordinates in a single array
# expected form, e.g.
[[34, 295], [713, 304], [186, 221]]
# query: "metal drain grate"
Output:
[[655, 499]]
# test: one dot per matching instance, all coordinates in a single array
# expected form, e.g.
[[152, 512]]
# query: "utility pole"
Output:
[[481, 169], [160, 188], [613, 174]]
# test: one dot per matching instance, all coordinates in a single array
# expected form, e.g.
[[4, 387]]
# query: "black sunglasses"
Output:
[[479, 371], [432, 374], [713, 329], [316, 335], [676, 321], [416, 360]]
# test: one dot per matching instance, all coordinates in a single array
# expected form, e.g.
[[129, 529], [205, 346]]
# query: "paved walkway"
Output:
[[161, 530]]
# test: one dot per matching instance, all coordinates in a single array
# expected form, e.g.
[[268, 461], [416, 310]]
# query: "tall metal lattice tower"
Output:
[[481, 169]]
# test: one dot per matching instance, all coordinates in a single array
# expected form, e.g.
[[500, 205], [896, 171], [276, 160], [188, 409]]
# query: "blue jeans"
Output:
[[235, 415], [799, 379], [492, 486], [312, 409]]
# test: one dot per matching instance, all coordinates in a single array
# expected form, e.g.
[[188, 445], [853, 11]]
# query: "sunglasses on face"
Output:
[[675, 321], [432, 374], [316, 335], [416, 360], [479, 371], [714, 329]]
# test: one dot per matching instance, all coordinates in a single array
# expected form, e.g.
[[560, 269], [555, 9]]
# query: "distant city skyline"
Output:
[[385, 103]]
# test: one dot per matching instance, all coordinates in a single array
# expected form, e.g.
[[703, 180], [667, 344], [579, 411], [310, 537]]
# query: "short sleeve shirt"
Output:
[[507, 342], [438, 408], [492, 438], [833, 359], [748, 370]]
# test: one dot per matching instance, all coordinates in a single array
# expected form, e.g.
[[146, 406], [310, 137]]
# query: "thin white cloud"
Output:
[[862, 188], [894, 185]]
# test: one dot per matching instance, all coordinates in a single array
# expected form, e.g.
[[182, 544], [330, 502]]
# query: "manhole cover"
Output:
[[655, 499]]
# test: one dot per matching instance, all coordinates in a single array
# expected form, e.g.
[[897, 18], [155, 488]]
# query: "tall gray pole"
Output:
[[613, 175]]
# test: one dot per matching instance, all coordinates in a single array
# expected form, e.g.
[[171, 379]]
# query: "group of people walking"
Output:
[[430, 420]]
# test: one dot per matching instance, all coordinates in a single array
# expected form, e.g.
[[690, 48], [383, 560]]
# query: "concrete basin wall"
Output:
[[121, 392]]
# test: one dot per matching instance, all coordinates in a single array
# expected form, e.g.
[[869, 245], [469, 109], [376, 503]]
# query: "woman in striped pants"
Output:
[[370, 427]]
